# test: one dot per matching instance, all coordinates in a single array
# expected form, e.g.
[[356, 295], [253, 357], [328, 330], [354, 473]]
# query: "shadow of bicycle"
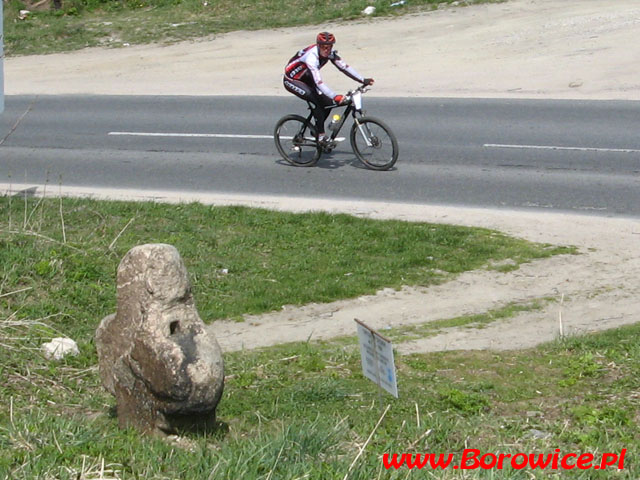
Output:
[[334, 161]]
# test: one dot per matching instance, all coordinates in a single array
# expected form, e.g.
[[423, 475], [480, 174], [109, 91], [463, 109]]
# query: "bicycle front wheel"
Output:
[[374, 143], [296, 141]]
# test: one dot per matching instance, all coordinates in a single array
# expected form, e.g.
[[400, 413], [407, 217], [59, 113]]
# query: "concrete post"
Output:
[[1, 59]]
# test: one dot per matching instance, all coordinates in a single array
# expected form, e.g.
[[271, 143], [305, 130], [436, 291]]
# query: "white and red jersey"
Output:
[[306, 64]]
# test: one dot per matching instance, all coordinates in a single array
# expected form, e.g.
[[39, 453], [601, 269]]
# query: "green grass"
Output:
[[303, 410], [475, 321], [67, 262], [295, 411], [114, 23]]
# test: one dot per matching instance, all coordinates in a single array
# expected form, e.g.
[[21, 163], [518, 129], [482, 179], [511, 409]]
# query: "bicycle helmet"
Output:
[[325, 38]]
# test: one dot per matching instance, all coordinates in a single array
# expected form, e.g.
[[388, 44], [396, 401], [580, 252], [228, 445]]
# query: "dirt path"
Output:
[[574, 49], [595, 290], [519, 49]]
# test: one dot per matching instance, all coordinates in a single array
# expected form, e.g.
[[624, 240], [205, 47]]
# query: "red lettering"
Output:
[[417, 461], [555, 459], [605, 463], [486, 466], [394, 461], [441, 462], [564, 463], [541, 462], [621, 462], [474, 457], [519, 466], [584, 461], [501, 458], [417, 464]]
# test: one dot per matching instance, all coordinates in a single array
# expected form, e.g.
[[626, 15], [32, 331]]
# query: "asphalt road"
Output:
[[579, 156]]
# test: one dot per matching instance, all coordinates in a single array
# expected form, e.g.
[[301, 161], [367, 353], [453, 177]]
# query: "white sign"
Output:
[[377, 358]]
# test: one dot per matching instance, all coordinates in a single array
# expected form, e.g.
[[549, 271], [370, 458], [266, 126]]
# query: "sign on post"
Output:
[[377, 358]]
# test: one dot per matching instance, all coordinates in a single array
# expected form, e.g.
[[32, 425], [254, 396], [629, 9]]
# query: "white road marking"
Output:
[[205, 135], [552, 147], [201, 135]]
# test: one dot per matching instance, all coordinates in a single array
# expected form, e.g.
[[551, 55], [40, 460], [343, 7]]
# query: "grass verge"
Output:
[[295, 411], [60, 255], [116, 23], [304, 411]]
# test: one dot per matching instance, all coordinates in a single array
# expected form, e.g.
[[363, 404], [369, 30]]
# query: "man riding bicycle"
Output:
[[302, 78]]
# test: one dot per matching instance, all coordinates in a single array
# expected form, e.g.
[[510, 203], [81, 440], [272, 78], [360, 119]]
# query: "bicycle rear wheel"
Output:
[[296, 141], [374, 143]]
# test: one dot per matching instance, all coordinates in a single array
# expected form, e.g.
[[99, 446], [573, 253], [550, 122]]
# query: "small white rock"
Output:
[[59, 348], [370, 10]]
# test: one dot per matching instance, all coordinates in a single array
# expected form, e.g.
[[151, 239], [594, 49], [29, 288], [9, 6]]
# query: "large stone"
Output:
[[155, 355]]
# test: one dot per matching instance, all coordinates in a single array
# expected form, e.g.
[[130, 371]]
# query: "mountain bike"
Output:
[[372, 141]]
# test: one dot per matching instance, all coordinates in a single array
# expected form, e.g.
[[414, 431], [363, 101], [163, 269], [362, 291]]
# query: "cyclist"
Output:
[[302, 78]]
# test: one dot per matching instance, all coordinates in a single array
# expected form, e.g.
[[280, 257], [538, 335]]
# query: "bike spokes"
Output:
[[374, 143], [296, 142]]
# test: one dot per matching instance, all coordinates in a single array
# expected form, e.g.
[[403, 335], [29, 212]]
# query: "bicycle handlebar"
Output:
[[361, 89]]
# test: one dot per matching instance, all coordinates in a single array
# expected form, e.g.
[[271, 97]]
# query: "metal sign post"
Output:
[[378, 366], [1, 58]]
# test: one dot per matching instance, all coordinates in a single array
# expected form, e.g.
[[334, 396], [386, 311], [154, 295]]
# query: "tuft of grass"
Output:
[[116, 23], [480, 320], [467, 403]]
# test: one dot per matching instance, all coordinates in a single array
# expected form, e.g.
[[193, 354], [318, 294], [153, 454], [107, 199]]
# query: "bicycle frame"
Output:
[[353, 108]]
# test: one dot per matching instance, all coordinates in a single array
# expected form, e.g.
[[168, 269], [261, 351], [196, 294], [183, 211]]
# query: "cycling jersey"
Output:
[[306, 64]]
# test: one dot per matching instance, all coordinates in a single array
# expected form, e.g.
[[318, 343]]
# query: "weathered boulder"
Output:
[[155, 356]]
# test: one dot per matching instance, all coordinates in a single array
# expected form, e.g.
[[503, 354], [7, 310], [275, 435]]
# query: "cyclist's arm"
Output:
[[313, 64], [346, 69]]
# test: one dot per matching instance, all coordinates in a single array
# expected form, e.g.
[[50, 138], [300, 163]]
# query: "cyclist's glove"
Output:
[[368, 81], [338, 99]]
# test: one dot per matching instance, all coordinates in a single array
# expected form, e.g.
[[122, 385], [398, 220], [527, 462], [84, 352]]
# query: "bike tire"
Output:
[[296, 141], [380, 152]]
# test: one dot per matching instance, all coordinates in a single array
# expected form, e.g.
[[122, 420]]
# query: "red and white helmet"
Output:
[[325, 38]]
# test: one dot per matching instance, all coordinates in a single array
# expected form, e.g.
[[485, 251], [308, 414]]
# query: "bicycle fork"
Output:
[[364, 130]]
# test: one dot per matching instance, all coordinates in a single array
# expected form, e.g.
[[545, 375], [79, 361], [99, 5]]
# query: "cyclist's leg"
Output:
[[324, 105], [308, 93]]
